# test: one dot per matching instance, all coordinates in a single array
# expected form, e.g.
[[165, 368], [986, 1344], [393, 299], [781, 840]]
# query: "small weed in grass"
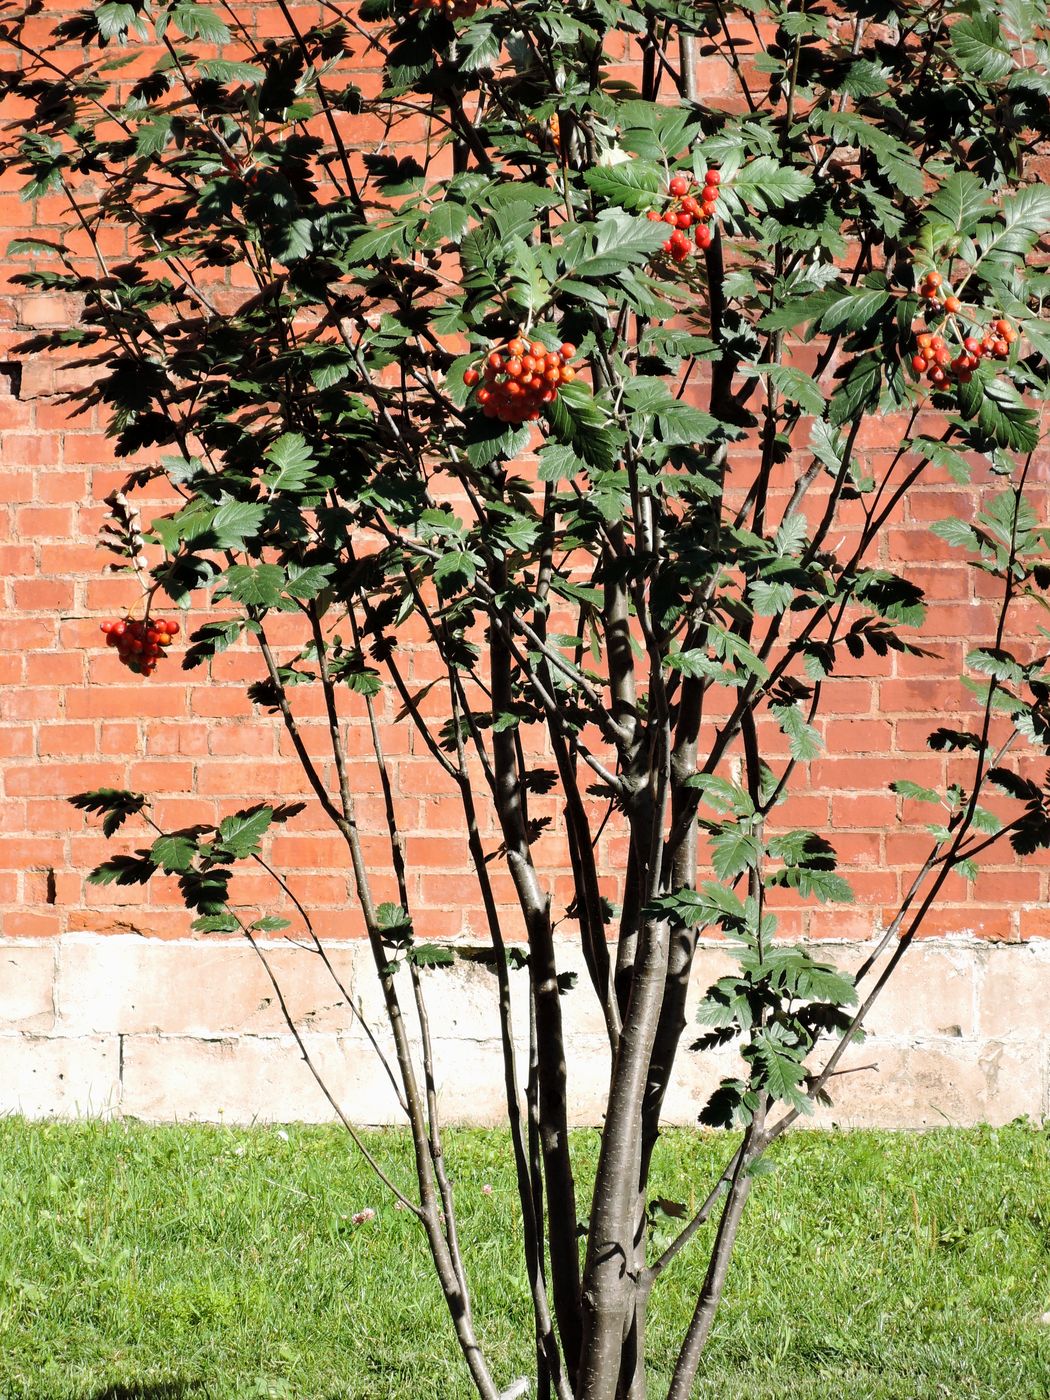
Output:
[[142, 1263]]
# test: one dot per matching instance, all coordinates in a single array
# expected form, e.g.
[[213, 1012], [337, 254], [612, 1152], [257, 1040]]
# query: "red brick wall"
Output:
[[72, 718]]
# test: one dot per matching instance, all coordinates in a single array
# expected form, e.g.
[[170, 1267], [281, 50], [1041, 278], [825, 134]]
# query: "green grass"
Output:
[[165, 1263]]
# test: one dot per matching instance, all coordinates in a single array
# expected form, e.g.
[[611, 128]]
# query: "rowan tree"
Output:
[[536, 350]]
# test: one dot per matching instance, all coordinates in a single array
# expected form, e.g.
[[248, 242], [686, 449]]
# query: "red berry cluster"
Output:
[[515, 383], [140, 644], [685, 211]]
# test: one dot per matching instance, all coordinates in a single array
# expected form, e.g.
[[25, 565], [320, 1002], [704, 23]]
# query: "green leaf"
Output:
[[732, 852], [455, 570], [856, 308], [796, 386], [956, 532], [896, 161], [558, 462], [1002, 416], [781, 1071], [980, 48], [240, 834], [765, 183], [858, 391], [175, 852], [631, 184], [804, 742], [152, 136], [446, 223], [216, 923], [488, 439], [915, 791], [619, 241], [961, 201], [234, 523], [293, 459], [198, 22], [260, 586], [721, 794], [431, 955], [1025, 219], [392, 916], [114, 19], [222, 70]]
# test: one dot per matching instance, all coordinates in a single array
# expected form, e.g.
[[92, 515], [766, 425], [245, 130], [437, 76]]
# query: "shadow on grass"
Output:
[[149, 1390]]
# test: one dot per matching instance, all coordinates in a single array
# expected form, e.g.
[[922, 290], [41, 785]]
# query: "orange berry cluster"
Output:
[[935, 360], [515, 383], [685, 211], [141, 644]]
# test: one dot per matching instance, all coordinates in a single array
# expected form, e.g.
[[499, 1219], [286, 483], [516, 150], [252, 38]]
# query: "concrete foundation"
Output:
[[193, 1031]]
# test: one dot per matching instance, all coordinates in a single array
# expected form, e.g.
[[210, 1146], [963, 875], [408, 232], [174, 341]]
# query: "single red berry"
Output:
[[703, 237], [691, 205], [513, 367], [666, 246], [932, 279], [1000, 349], [679, 185], [712, 177], [972, 345], [538, 348], [1002, 327], [952, 305], [567, 351], [925, 340], [470, 377], [669, 216], [684, 220], [496, 360], [516, 347], [654, 216], [567, 374], [918, 363]]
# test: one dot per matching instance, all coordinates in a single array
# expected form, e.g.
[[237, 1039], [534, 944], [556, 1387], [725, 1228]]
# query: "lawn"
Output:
[[169, 1263]]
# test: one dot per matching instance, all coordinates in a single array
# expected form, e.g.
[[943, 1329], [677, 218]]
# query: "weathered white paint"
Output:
[[96, 1024]]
